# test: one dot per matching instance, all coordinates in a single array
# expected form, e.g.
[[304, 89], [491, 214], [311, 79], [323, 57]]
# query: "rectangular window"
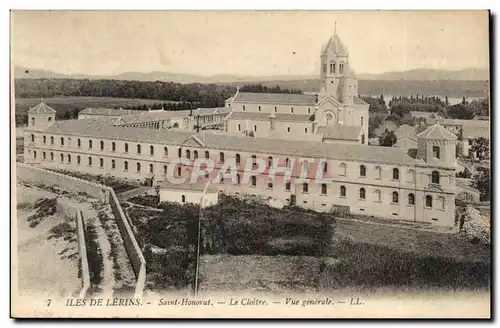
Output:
[[305, 187]]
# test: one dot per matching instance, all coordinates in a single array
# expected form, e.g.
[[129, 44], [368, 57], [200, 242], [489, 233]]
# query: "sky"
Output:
[[259, 43]]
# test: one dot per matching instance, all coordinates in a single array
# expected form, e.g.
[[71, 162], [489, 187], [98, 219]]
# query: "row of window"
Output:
[[276, 109], [272, 127]]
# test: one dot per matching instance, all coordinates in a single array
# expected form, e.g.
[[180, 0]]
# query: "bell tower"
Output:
[[334, 66]]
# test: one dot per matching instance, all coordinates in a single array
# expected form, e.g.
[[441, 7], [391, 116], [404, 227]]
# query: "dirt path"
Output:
[[108, 280]]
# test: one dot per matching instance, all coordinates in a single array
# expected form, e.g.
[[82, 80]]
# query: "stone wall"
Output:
[[82, 250], [34, 174]]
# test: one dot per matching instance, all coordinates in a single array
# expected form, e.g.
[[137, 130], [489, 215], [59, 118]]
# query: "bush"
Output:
[[42, 208], [94, 256], [476, 228]]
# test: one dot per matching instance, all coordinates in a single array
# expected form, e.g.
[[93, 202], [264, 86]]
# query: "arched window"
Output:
[[207, 154], [62, 140], [165, 152], [363, 138], [179, 171], [221, 157], [323, 189], [362, 193], [435, 177], [288, 186], [239, 127], [138, 167], [377, 195], [238, 159], [44, 155], [150, 168], [362, 171], [411, 199], [395, 174], [259, 108], [34, 154], [254, 180], [275, 109], [287, 163], [305, 130], [238, 180], [179, 152], [195, 154], [270, 161], [164, 170], [51, 156], [126, 147], [101, 162], [255, 128], [51, 140], [288, 129], [125, 166], [151, 150], [305, 187], [113, 164], [395, 197], [308, 110], [90, 144], [62, 158], [325, 167], [188, 153], [341, 68], [44, 139], [428, 201], [436, 152], [138, 149], [343, 169], [33, 121], [102, 145], [183, 198], [378, 172], [78, 160], [291, 110], [90, 161], [342, 191], [243, 107], [113, 146]]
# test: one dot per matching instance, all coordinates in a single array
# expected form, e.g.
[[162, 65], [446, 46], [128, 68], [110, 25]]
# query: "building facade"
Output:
[[383, 182], [336, 105]]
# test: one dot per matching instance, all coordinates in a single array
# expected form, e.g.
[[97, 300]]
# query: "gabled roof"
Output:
[[336, 45], [340, 132], [406, 131], [42, 108], [437, 132], [275, 98], [359, 101], [469, 132], [266, 116]]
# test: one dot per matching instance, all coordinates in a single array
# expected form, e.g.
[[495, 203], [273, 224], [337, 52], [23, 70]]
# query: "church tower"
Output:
[[337, 78]]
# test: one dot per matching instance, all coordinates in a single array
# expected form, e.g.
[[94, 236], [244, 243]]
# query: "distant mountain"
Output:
[[468, 74]]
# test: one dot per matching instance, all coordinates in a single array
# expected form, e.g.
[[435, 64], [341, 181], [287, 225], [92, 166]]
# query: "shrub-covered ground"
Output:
[[117, 185]]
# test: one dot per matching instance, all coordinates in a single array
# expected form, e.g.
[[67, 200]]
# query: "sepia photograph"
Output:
[[250, 164]]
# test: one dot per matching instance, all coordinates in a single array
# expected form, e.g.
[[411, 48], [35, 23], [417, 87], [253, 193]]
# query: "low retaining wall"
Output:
[[132, 247], [82, 250], [29, 173]]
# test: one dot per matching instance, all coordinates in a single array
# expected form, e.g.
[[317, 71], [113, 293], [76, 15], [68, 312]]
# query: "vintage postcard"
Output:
[[250, 164]]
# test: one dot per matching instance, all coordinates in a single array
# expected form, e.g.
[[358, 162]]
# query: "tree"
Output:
[[387, 139], [481, 146], [374, 122], [482, 182], [460, 111]]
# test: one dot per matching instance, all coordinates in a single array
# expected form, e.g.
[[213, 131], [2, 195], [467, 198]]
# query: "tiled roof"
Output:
[[347, 152], [148, 116], [275, 98], [265, 117], [336, 45], [359, 101], [110, 111], [463, 123], [437, 132], [42, 108], [406, 131], [211, 111], [103, 128], [340, 132]]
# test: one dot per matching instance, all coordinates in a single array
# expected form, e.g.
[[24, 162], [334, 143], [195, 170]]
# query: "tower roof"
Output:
[[42, 108], [336, 45], [437, 132]]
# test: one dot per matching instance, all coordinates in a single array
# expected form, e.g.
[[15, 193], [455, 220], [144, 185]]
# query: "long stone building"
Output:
[[388, 182]]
